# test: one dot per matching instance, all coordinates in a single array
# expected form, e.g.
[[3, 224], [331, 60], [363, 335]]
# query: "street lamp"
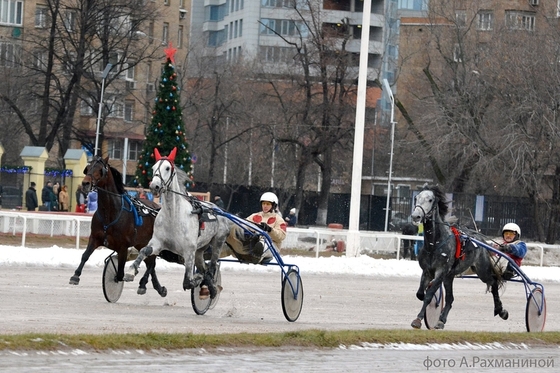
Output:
[[104, 76], [387, 89]]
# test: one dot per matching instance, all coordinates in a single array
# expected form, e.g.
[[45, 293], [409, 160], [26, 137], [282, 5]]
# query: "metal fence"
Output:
[[308, 239]]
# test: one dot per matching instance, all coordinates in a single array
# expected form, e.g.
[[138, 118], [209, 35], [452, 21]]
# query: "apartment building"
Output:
[[231, 29], [135, 45]]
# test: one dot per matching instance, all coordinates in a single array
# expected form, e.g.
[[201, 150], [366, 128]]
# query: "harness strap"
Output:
[[458, 247]]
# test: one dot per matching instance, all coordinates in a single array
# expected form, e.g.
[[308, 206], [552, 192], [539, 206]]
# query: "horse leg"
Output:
[[133, 269], [423, 285], [150, 269], [498, 308], [122, 257], [162, 290], [449, 298], [432, 287], [75, 280]]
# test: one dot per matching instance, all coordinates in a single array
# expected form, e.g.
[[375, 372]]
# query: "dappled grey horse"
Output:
[[185, 226]]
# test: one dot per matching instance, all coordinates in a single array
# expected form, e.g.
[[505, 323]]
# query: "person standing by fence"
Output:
[[63, 199], [80, 199], [48, 197], [31, 197]]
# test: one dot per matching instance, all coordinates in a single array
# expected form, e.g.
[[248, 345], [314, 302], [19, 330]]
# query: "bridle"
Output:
[[430, 212], [90, 167], [157, 173]]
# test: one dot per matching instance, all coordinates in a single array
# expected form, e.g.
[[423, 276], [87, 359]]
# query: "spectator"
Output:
[[31, 197], [219, 202], [92, 202], [80, 199], [48, 198], [63, 199], [291, 219], [141, 193]]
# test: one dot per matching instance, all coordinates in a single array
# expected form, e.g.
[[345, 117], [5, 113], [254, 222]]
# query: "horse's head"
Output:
[[163, 171], [428, 201], [96, 172]]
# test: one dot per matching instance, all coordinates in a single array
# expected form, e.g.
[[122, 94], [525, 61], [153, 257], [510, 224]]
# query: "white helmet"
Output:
[[512, 227], [270, 197]]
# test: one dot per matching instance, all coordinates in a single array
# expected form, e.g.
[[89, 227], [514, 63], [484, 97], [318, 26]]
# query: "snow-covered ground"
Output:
[[363, 265]]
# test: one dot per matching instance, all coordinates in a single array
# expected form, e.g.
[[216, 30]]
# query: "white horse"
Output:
[[185, 226]]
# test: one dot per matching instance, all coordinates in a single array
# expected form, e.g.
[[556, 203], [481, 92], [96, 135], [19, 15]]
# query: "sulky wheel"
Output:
[[292, 295], [535, 313], [112, 289], [434, 309], [200, 306]]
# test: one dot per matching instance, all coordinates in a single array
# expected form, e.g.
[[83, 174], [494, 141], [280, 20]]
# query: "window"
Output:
[[485, 20], [70, 20], [86, 108], [520, 20], [10, 55], [115, 148], [40, 59], [240, 28], [413, 4], [41, 17], [180, 37], [461, 18], [165, 33], [457, 54], [283, 27], [129, 111], [134, 149], [131, 69], [115, 107], [11, 12]]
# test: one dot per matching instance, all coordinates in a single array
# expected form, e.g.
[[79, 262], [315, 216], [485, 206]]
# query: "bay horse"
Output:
[[446, 254], [186, 226], [117, 223]]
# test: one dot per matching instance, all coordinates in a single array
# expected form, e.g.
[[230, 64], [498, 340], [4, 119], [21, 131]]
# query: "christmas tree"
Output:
[[167, 129]]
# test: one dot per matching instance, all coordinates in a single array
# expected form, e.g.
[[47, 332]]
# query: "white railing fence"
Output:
[[308, 239]]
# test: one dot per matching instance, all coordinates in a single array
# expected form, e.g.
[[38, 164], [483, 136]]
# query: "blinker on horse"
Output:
[[445, 256], [178, 226], [115, 224]]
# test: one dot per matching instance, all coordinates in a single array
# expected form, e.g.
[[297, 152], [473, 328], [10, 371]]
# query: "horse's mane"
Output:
[[441, 199], [182, 177], [117, 178]]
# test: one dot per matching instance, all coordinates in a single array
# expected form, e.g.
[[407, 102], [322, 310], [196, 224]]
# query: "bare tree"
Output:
[[490, 122], [58, 70]]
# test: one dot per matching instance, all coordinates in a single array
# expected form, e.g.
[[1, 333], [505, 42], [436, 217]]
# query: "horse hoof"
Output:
[[74, 280], [141, 291], [128, 277], [440, 325], [163, 292], [204, 292], [416, 324], [420, 296], [504, 314]]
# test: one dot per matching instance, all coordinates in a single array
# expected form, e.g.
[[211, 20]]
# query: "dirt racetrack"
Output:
[[36, 299]]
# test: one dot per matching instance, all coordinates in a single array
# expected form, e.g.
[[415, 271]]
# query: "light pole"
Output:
[[387, 88], [104, 76]]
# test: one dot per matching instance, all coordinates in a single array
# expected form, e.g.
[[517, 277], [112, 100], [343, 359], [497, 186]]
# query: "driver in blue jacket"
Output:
[[513, 247]]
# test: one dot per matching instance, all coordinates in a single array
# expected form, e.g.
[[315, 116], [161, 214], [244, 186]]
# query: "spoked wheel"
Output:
[[112, 289], [200, 306], [433, 311], [292, 295], [535, 313]]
